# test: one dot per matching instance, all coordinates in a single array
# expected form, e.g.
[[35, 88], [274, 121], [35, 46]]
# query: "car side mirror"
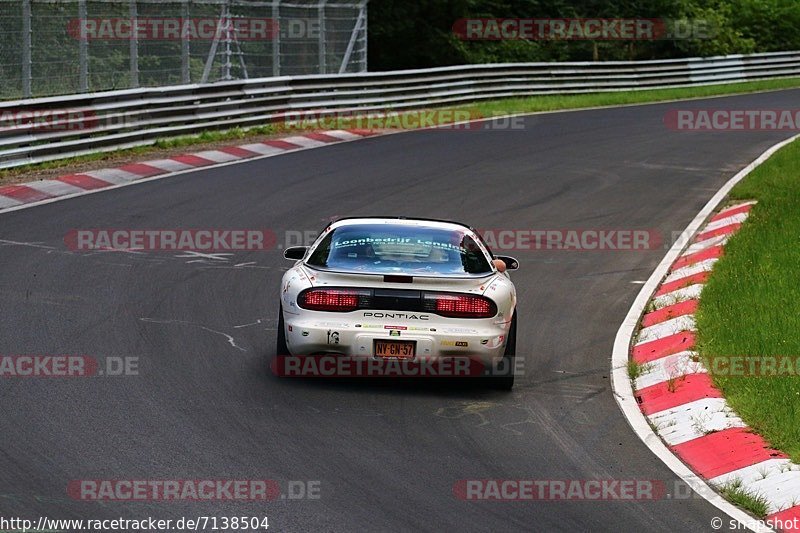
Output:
[[295, 252], [510, 262]]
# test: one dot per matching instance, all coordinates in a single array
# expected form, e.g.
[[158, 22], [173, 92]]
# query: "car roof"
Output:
[[401, 221]]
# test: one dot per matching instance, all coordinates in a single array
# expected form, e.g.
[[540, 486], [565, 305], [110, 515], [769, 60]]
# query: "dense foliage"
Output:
[[418, 34]]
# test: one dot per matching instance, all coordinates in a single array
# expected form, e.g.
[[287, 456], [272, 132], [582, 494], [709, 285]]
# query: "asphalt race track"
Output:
[[204, 404]]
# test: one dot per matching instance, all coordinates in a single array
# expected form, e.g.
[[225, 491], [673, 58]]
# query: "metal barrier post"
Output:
[[185, 69], [276, 40], [134, 45], [26, 48], [83, 50]]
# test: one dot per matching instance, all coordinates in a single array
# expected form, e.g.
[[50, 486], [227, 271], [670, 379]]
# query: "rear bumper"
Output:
[[314, 333]]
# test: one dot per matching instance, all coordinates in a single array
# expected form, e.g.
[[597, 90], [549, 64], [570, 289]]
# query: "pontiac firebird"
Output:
[[400, 288]]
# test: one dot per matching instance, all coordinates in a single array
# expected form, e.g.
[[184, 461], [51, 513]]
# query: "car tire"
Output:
[[280, 344], [506, 382]]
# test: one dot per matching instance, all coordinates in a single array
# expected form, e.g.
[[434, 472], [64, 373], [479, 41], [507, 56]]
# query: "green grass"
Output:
[[161, 144], [636, 369], [576, 101], [756, 504], [751, 305], [483, 109], [217, 136]]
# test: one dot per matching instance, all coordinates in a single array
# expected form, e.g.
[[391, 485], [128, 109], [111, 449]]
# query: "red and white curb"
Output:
[[673, 406], [14, 196], [676, 394]]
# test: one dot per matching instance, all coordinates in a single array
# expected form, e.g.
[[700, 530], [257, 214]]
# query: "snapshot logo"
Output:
[[754, 365], [195, 240], [173, 29], [192, 489], [66, 366], [527, 240], [733, 119], [790, 523], [48, 120], [440, 119], [341, 366], [559, 490], [581, 29]]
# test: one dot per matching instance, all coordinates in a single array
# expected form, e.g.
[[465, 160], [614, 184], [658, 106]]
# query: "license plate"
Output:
[[398, 349]]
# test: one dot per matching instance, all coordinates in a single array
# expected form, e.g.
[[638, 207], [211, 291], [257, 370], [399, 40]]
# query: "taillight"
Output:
[[460, 305], [336, 300]]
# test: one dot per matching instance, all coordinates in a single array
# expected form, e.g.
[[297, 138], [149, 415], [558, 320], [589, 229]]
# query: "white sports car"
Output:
[[399, 288]]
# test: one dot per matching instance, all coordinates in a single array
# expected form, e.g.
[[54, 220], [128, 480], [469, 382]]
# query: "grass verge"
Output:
[[635, 370], [483, 109], [751, 305], [205, 138], [735, 493], [577, 101]]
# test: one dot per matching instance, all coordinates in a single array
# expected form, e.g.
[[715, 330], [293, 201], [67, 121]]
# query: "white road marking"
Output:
[[113, 175], [695, 419], [673, 366], [692, 292], [217, 156], [221, 256], [719, 240], [691, 270], [666, 328], [230, 339], [343, 135], [54, 188], [305, 142], [261, 148], [169, 165], [727, 221], [775, 480]]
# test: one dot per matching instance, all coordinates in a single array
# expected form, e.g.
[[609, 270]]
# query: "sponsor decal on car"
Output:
[[460, 344], [404, 316]]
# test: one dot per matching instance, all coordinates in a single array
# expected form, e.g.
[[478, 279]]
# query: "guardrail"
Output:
[[44, 129]]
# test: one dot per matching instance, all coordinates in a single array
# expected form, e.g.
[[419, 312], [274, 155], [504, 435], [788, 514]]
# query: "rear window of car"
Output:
[[400, 249]]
